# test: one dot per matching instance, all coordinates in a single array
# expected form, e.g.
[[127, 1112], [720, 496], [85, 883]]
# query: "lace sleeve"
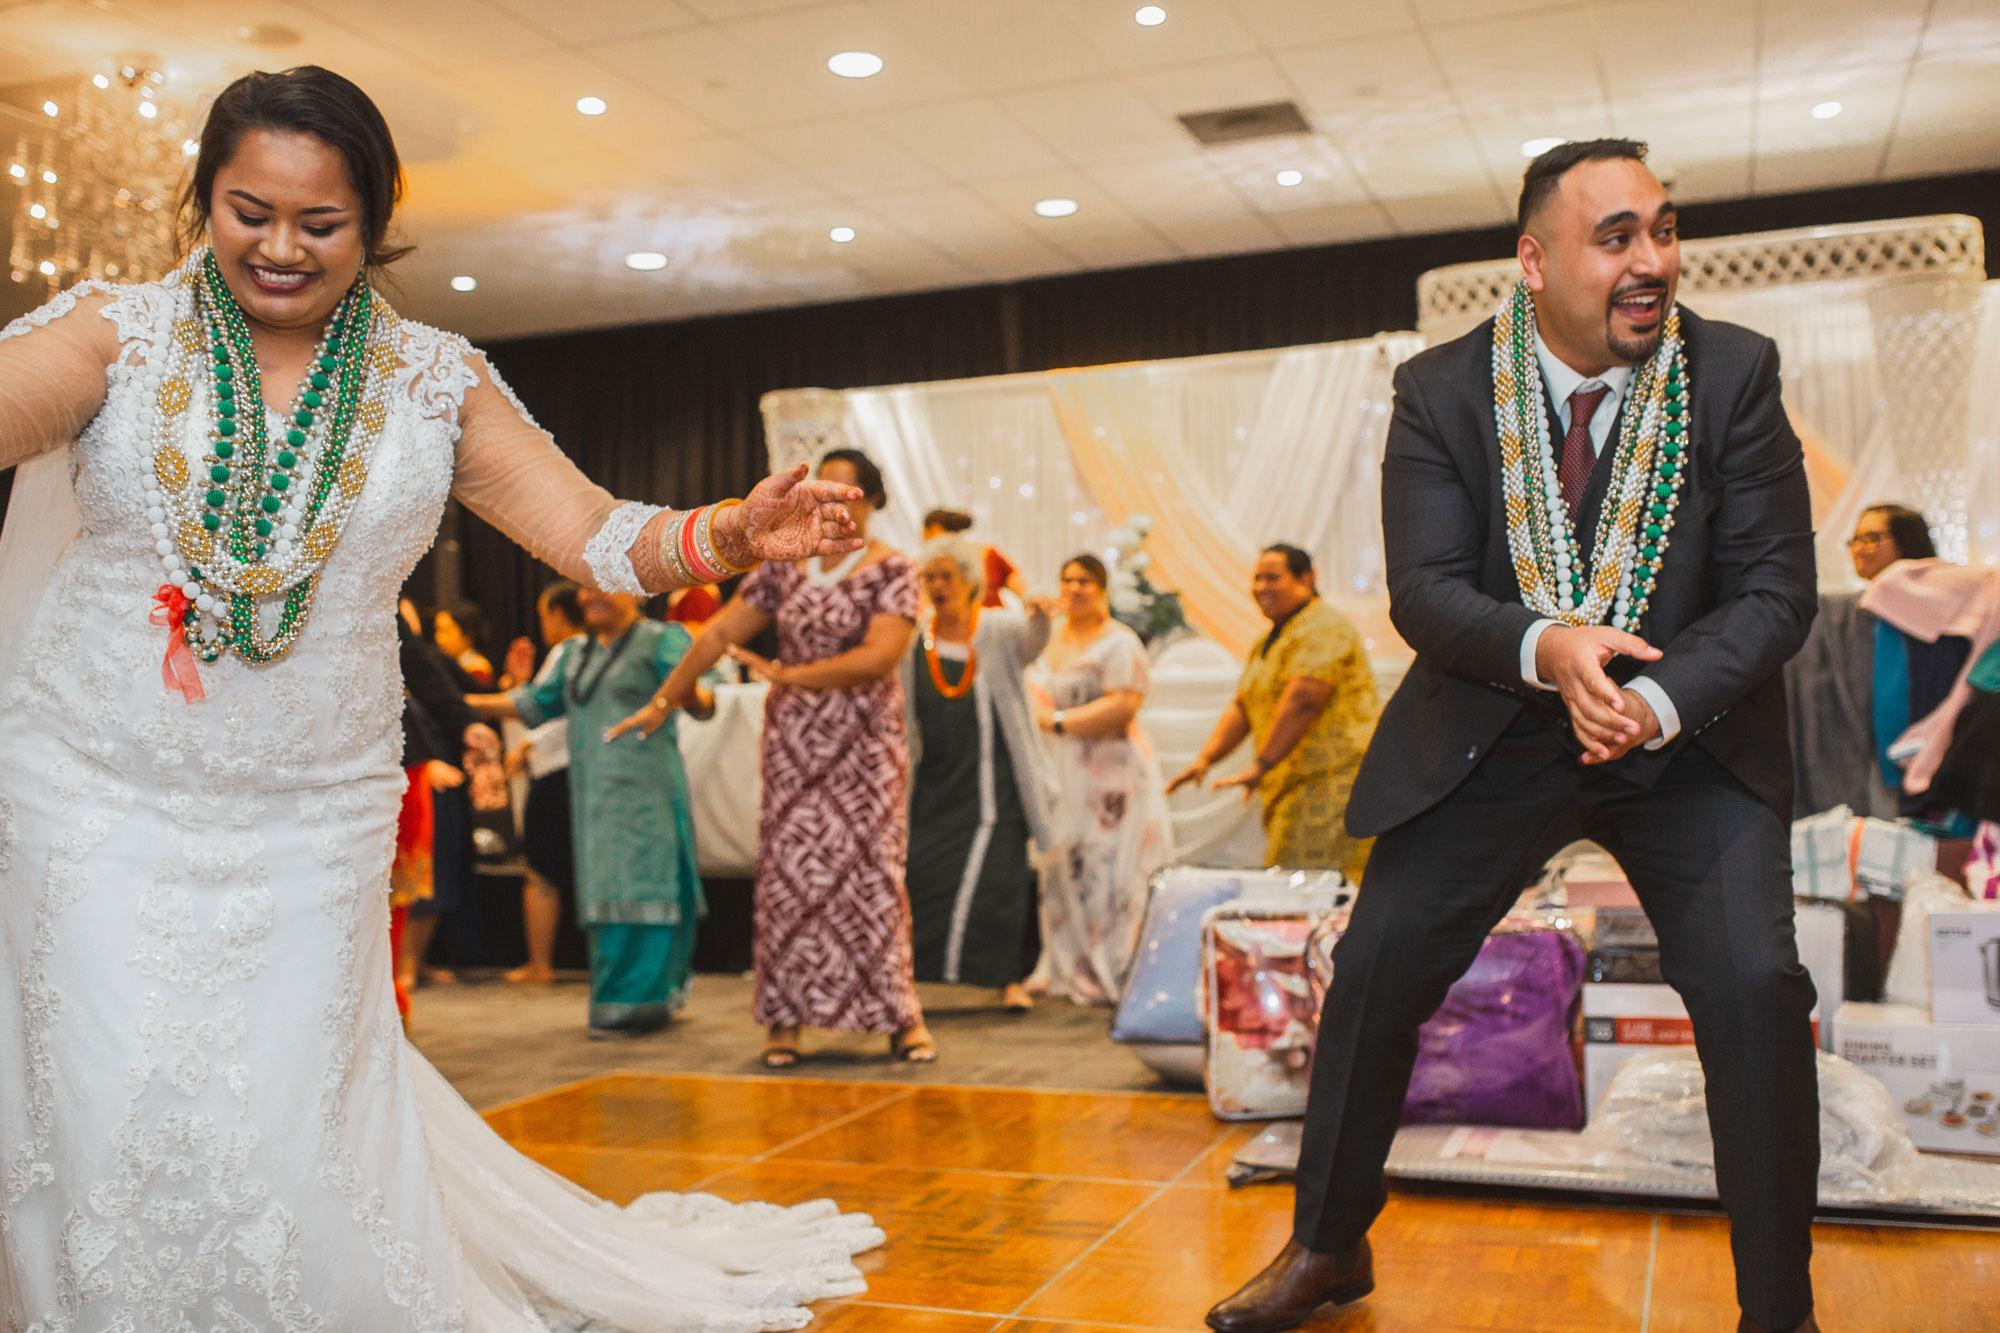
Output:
[[511, 474], [52, 372]]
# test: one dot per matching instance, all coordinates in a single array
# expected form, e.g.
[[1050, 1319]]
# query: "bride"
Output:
[[209, 1118]]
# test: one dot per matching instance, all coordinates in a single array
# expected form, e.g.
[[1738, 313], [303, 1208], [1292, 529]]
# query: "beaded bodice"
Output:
[[329, 711]]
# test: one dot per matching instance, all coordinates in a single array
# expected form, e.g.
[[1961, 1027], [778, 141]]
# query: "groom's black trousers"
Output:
[[1712, 865]]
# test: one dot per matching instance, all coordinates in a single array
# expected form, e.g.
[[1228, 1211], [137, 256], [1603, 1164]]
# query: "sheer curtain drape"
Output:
[[1226, 454]]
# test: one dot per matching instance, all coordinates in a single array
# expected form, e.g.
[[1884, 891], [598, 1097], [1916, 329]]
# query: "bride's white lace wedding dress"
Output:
[[209, 1117]]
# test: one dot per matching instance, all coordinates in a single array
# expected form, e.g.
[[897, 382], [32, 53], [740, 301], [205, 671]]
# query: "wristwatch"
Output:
[[1056, 721]]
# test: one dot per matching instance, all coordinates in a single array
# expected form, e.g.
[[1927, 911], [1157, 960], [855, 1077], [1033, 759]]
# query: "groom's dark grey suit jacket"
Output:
[[1736, 592]]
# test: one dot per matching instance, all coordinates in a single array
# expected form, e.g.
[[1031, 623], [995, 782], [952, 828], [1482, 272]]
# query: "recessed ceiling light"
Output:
[[48, 178], [1055, 208], [148, 110], [51, 109], [591, 106], [37, 211], [462, 283], [842, 234], [855, 64], [190, 147], [646, 261], [1536, 147], [18, 172], [48, 268], [1291, 178], [100, 81], [1826, 111], [1152, 16]]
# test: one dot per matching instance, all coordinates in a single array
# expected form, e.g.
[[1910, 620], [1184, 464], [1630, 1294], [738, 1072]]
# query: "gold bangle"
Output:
[[720, 558]]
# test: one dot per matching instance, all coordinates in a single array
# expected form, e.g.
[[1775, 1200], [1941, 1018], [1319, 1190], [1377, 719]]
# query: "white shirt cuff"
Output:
[[1528, 643], [1663, 709]]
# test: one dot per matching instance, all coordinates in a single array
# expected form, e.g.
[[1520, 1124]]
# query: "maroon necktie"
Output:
[[1578, 458]]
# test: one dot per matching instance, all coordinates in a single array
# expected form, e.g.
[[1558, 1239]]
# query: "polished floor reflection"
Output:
[[1034, 1212]]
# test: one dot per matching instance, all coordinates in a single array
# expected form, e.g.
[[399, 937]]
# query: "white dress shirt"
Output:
[[1562, 382]]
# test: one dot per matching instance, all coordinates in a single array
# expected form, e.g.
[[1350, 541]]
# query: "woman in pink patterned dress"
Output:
[[833, 916]]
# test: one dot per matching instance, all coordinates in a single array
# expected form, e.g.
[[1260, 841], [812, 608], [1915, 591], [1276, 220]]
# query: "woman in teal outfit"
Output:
[[638, 891]]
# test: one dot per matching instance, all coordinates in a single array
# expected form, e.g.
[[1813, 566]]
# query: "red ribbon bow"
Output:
[[170, 609]]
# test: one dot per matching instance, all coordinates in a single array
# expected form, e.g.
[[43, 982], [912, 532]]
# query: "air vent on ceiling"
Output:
[[1237, 123]]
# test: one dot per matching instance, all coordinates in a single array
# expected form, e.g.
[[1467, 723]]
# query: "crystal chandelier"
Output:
[[95, 177]]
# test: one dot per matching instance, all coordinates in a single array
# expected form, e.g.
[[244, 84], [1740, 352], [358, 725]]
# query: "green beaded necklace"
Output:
[[1638, 510], [259, 516]]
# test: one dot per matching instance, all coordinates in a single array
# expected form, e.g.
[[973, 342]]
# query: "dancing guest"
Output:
[[1577, 678], [999, 575], [638, 887], [546, 831], [831, 933], [1307, 699], [201, 730], [982, 783], [1089, 685]]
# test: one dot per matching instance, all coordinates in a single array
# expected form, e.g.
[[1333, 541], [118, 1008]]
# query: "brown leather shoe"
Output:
[[1298, 1282], [1749, 1325]]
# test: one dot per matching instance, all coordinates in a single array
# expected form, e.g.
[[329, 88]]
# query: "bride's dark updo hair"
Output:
[[304, 100]]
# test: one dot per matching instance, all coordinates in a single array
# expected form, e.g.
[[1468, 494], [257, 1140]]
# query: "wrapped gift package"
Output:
[[1160, 1014], [1261, 1017], [1943, 1078], [1497, 1052], [1624, 948], [1821, 864]]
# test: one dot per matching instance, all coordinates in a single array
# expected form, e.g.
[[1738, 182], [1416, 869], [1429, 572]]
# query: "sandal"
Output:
[[1016, 1000], [781, 1050], [913, 1046]]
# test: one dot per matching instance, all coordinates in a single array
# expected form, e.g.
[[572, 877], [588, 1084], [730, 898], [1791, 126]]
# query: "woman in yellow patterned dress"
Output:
[[1307, 696]]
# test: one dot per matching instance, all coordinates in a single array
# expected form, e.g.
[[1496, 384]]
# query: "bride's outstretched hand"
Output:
[[788, 517]]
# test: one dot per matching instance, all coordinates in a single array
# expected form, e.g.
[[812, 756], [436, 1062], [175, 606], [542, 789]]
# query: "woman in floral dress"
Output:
[[832, 927], [1090, 684]]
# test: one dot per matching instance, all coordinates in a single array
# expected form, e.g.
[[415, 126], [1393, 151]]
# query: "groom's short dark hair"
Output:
[[1546, 172]]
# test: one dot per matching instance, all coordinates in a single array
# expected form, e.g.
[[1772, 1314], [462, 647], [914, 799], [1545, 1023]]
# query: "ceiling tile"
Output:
[[846, 157], [996, 47], [1712, 44], [436, 33], [1195, 31], [1283, 23], [1252, 169], [1519, 64], [1218, 86], [1186, 201], [1378, 83], [1699, 144], [1093, 122], [963, 223], [1962, 27], [1790, 171], [1416, 163], [971, 139], [1439, 13], [1331, 224], [1868, 101], [1949, 119], [573, 23], [1101, 228], [1455, 211], [1807, 40]]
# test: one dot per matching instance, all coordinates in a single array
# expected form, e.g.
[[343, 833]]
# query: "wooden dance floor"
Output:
[[1054, 1212]]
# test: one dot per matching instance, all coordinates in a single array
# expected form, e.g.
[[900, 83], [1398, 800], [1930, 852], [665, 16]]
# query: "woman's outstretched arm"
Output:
[[52, 379]]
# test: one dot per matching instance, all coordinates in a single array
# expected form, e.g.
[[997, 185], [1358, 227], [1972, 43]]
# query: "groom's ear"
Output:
[[1534, 261]]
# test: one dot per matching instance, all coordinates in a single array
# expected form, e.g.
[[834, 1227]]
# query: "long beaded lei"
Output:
[[1637, 517], [256, 521]]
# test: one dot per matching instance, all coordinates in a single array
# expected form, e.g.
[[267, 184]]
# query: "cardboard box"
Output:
[[1624, 1019], [1965, 967], [1621, 1020], [1944, 1079]]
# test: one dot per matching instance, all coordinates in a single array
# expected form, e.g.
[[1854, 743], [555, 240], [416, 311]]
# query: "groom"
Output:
[[1602, 556]]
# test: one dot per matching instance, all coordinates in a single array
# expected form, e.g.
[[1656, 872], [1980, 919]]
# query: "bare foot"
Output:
[[437, 976], [527, 972]]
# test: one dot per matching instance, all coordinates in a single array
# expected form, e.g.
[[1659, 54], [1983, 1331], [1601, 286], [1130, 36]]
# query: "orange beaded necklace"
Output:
[[957, 691]]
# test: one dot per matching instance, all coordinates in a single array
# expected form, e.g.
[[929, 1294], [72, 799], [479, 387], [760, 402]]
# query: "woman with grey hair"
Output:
[[982, 786]]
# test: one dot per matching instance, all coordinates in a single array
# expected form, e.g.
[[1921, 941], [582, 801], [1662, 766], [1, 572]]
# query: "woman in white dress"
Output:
[[1089, 685], [209, 1118]]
